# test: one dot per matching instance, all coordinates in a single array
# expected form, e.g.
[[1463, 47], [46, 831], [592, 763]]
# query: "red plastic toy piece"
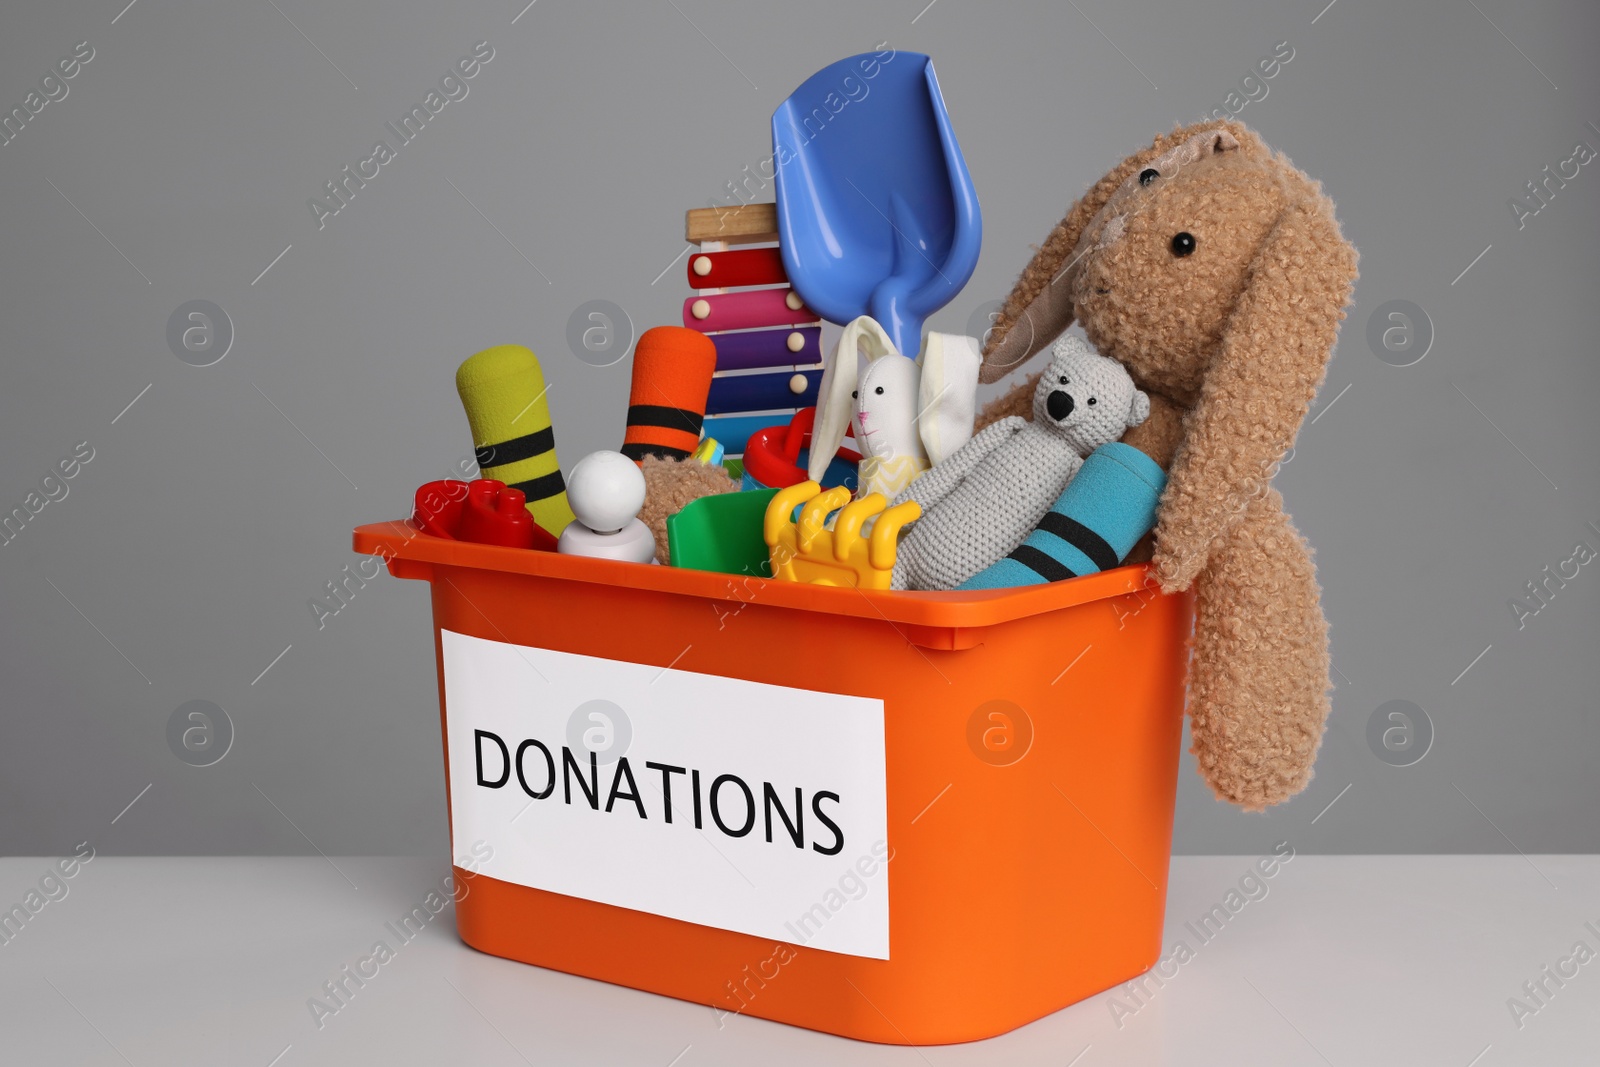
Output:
[[771, 456], [438, 508], [485, 512]]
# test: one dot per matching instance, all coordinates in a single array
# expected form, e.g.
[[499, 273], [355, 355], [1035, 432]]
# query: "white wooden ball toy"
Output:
[[606, 491]]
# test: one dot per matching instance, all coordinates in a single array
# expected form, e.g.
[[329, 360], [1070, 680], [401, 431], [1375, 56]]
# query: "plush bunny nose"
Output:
[[1059, 405]]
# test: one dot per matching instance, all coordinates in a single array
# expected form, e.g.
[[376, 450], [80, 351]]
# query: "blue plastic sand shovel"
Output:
[[876, 210]]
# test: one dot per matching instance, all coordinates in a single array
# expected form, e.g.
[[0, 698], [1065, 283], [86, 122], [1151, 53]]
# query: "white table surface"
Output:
[[1356, 960]]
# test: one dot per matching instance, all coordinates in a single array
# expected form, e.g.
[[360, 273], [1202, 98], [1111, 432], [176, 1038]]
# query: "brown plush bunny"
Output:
[[1215, 272]]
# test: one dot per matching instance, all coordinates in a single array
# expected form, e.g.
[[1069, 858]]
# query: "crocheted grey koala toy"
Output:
[[988, 496]]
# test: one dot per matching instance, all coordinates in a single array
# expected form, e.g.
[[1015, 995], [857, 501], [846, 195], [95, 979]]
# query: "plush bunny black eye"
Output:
[[1183, 243], [879, 390], [1148, 175], [1063, 379], [855, 394], [1091, 401]]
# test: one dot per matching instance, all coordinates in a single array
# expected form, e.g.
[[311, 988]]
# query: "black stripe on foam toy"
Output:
[[542, 488], [1041, 564], [636, 452], [671, 418], [517, 449], [1080, 537]]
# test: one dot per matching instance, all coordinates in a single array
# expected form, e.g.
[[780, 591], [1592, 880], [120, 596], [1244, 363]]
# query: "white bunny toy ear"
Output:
[[1139, 409], [835, 405], [947, 397]]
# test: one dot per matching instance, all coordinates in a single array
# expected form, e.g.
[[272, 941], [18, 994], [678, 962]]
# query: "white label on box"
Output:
[[729, 803]]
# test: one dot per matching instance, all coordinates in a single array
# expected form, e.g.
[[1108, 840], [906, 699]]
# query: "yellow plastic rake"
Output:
[[807, 551]]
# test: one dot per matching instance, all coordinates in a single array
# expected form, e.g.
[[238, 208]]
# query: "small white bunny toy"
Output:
[[907, 414]]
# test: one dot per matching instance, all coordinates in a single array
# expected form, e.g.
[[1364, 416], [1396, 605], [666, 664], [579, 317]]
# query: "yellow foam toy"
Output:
[[503, 390], [806, 551]]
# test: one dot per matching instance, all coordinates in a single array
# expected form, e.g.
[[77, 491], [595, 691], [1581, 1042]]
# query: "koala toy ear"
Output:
[[1139, 409]]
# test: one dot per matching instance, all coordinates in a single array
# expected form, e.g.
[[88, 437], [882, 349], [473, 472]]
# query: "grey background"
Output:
[[185, 554]]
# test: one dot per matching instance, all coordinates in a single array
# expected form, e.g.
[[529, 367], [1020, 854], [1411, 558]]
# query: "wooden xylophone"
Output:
[[769, 344]]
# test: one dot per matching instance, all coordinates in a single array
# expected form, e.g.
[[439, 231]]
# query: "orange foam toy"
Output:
[[672, 368]]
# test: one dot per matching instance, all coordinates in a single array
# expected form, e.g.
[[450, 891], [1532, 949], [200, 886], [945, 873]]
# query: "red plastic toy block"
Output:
[[438, 508], [485, 512]]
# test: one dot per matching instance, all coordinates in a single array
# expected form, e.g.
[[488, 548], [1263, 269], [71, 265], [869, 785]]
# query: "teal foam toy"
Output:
[[876, 211], [1101, 514]]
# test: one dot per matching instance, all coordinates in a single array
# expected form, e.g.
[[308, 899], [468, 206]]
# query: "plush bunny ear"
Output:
[[834, 403], [1139, 410], [947, 395], [1259, 387], [1040, 304]]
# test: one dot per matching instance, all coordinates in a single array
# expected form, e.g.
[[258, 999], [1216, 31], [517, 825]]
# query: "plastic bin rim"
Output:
[[401, 541]]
